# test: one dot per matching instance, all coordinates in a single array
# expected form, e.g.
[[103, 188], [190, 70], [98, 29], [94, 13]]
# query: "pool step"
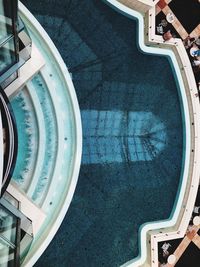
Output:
[[51, 139], [41, 139], [47, 140], [58, 160], [35, 177]]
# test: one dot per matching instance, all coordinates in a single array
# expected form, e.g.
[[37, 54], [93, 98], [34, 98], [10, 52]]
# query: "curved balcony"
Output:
[[10, 140]]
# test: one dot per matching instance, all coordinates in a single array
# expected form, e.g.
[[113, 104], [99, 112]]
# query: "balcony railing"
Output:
[[15, 232]]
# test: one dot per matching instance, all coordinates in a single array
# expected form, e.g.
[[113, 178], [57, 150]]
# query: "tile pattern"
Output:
[[163, 6], [191, 236]]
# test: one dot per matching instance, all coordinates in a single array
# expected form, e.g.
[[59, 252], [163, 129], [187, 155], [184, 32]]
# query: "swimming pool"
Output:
[[115, 194], [33, 106]]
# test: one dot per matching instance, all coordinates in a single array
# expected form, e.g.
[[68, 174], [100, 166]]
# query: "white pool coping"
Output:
[[150, 256], [41, 245]]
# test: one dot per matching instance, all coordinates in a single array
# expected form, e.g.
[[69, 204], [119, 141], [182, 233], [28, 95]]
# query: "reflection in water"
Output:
[[120, 136]]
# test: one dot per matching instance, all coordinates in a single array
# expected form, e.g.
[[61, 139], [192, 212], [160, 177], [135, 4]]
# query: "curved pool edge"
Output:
[[41, 245], [191, 171]]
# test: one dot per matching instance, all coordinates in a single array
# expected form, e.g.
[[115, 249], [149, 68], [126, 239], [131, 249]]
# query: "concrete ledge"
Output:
[[139, 5], [30, 210], [27, 71]]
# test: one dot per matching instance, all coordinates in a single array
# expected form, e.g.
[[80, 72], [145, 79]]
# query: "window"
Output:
[[7, 55], [6, 20]]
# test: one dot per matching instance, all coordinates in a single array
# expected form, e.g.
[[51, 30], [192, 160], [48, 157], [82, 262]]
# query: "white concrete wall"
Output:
[[30, 210]]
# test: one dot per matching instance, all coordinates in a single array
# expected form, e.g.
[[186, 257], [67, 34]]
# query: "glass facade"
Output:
[[7, 55], [15, 228], [15, 43], [6, 21], [8, 36], [15, 232]]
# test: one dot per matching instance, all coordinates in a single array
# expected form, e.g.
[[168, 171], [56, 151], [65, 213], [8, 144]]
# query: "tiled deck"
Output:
[[177, 29]]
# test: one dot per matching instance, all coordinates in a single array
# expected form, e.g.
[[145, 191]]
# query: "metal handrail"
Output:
[[11, 141]]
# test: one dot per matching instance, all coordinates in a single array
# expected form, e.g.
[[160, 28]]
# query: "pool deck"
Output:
[[180, 228]]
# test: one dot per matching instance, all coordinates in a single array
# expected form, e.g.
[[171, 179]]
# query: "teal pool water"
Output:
[[27, 137], [28, 110], [50, 129], [132, 134]]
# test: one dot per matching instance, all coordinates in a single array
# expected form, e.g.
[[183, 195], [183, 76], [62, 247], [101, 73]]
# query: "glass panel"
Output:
[[14, 228], [9, 80], [7, 55], [8, 225], [25, 244], [11, 199], [7, 254], [5, 19], [26, 226]]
